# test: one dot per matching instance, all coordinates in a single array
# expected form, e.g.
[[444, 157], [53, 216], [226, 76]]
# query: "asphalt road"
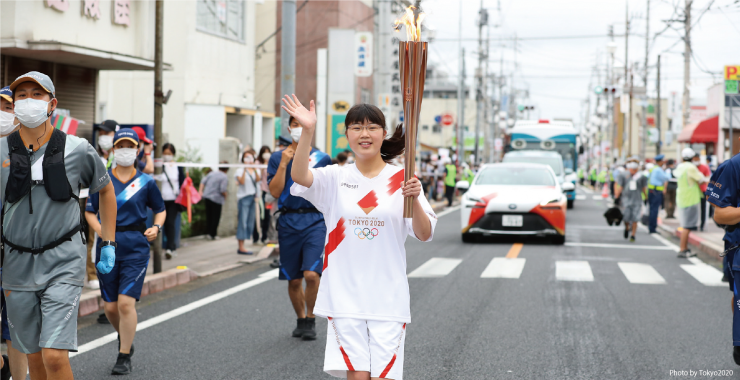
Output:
[[541, 324]]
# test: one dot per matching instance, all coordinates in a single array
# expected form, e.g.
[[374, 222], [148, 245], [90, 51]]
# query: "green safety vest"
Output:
[[469, 176], [593, 175], [451, 175], [580, 173], [653, 187], [602, 176]]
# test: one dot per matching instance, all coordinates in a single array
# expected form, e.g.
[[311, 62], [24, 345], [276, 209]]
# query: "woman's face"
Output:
[[365, 139], [167, 152]]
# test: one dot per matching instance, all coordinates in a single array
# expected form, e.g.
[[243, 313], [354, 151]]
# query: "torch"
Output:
[[412, 59]]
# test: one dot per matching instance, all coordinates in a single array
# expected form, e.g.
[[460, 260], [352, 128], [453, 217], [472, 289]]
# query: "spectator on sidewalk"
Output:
[[669, 201], [214, 189], [301, 233], [688, 197], [450, 181], [342, 158], [172, 179], [145, 162], [656, 188], [706, 172], [631, 185], [246, 195]]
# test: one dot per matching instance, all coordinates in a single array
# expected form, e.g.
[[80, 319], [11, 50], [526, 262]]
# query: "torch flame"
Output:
[[412, 22]]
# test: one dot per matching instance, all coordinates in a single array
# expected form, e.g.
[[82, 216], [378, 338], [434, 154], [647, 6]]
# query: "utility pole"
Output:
[[461, 95], [626, 41], [287, 58], [629, 128], [647, 44], [657, 111], [482, 20], [685, 104], [158, 104], [487, 104]]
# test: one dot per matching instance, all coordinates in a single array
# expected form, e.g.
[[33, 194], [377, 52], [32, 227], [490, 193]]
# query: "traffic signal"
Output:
[[610, 90]]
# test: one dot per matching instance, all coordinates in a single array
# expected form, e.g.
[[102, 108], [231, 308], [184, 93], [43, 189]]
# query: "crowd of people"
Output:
[[320, 205]]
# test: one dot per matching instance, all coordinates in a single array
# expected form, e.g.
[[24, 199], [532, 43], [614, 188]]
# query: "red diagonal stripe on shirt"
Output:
[[335, 238], [370, 200], [394, 183]]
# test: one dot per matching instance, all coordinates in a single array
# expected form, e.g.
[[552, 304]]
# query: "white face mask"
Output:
[[6, 123], [350, 160], [266, 156], [696, 163], [248, 159], [168, 158], [295, 133], [31, 112], [125, 156], [105, 142]]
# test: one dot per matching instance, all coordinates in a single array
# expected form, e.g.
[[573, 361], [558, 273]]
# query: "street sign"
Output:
[[732, 72], [447, 119], [731, 87], [363, 54], [498, 144], [438, 119]]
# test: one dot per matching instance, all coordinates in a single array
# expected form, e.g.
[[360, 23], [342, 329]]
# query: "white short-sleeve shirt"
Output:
[[364, 274]]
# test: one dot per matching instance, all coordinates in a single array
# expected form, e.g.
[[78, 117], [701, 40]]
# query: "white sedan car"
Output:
[[514, 199]]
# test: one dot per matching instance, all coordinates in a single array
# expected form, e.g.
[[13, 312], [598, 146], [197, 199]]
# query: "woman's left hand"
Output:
[[412, 188]]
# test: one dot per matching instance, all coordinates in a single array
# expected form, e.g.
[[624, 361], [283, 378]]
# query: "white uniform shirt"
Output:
[[364, 275]]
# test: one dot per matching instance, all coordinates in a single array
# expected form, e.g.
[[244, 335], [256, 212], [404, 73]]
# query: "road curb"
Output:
[[710, 248]]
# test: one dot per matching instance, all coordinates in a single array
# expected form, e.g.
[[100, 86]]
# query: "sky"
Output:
[[558, 72]]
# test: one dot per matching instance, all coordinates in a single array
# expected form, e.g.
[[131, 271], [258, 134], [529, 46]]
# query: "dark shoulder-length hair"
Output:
[[392, 147]]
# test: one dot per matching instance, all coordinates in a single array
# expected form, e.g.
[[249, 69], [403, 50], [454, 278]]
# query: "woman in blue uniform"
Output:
[[121, 288]]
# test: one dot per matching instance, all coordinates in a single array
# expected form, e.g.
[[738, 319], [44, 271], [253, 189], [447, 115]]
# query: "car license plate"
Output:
[[512, 221]]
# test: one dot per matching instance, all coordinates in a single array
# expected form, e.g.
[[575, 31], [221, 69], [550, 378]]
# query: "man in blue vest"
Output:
[[657, 183]]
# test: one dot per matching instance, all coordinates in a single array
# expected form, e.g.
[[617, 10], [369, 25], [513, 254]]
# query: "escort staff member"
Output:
[[42, 228], [364, 292], [121, 287], [18, 361], [688, 197], [657, 183], [722, 192], [301, 232]]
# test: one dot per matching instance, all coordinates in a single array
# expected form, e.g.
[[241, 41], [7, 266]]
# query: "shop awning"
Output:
[[704, 131], [60, 52]]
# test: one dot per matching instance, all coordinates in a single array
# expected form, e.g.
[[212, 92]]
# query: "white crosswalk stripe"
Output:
[[580, 197], [704, 273], [435, 267], [502, 267], [637, 273], [574, 270]]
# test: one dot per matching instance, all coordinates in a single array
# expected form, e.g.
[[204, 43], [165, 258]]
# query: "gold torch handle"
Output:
[[412, 64]]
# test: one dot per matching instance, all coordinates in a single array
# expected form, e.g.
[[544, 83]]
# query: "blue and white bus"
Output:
[[553, 136]]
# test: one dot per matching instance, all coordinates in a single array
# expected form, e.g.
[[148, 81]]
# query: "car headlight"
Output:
[[552, 200], [471, 198]]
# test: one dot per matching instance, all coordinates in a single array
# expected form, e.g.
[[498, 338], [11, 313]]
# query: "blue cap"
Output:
[[126, 134], [659, 157], [282, 141], [7, 94]]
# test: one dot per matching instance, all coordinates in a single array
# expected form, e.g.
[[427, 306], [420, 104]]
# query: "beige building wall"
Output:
[[633, 146], [432, 107]]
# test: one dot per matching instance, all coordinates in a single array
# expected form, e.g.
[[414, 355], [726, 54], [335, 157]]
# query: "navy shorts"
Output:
[[301, 250], [126, 277], [5, 329]]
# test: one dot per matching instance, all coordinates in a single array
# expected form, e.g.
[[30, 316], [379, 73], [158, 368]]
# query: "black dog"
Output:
[[613, 216]]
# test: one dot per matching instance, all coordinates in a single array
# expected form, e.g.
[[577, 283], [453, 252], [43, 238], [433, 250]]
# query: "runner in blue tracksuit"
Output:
[[121, 288], [722, 193], [301, 234]]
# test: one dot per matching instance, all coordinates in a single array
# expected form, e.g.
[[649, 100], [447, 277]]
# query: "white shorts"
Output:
[[361, 345]]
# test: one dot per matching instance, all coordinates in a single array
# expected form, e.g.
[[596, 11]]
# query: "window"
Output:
[[436, 128], [424, 127], [223, 18]]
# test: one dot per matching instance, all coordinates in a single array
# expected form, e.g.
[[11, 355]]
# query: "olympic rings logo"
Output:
[[366, 233]]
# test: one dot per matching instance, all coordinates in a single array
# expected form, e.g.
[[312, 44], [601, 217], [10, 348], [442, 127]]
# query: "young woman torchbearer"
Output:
[[364, 290]]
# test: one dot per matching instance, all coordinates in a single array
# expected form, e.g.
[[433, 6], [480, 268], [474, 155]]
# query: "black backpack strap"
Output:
[[52, 245]]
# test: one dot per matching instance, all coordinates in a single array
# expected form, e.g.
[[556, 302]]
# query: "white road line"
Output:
[[637, 273], [665, 241], [502, 267], [264, 277], [597, 197], [580, 197], [573, 271], [447, 211], [586, 190], [620, 246], [435, 267], [704, 273]]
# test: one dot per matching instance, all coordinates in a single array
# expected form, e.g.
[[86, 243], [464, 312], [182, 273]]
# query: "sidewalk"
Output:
[[708, 241], [196, 257]]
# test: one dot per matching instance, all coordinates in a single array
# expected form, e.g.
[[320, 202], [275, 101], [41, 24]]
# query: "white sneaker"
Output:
[[168, 254], [94, 284]]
